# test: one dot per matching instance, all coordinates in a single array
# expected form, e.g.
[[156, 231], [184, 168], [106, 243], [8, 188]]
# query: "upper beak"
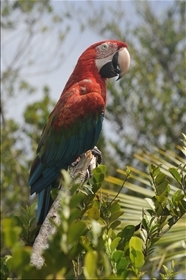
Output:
[[118, 66], [121, 62]]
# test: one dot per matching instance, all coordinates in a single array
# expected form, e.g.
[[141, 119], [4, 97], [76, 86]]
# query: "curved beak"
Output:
[[121, 62], [118, 66]]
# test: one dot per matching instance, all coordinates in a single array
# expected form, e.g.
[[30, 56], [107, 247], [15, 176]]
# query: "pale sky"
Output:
[[75, 44]]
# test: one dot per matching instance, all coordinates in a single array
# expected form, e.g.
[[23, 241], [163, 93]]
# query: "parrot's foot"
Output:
[[96, 159], [73, 164], [98, 154]]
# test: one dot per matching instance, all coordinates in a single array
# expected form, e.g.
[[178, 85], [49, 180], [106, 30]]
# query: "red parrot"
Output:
[[75, 124]]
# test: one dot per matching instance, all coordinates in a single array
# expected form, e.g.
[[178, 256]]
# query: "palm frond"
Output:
[[172, 244]]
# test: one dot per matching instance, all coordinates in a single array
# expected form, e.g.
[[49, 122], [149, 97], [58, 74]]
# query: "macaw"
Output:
[[75, 124]]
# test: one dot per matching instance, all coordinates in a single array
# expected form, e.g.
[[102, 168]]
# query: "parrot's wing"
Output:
[[59, 148]]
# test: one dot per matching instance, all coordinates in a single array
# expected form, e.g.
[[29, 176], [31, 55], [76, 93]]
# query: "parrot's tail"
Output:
[[44, 203]]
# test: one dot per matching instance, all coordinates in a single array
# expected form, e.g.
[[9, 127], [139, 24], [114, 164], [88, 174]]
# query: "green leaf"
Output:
[[159, 209], [171, 221], [160, 178], [77, 199], [122, 264], [127, 232], [93, 213], [115, 243], [76, 230], [11, 232], [177, 196], [98, 177], [102, 168], [115, 224], [54, 193], [174, 172], [21, 258], [160, 198], [90, 265], [117, 255], [128, 171], [106, 263], [114, 207], [96, 186], [74, 188], [75, 214], [137, 258], [182, 207], [162, 187], [154, 170], [136, 254], [115, 215], [136, 243], [5, 266]]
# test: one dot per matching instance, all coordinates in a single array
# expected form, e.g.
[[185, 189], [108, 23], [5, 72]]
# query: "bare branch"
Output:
[[48, 229]]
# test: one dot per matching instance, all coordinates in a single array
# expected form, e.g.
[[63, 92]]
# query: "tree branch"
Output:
[[48, 229]]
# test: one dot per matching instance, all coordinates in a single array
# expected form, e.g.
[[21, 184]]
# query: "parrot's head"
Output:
[[111, 58]]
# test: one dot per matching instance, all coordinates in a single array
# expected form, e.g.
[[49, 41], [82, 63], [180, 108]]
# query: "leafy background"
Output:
[[145, 110]]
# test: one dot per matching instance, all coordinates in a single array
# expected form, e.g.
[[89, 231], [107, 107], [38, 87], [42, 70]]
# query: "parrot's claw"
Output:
[[96, 159], [73, 164], [98, 154]]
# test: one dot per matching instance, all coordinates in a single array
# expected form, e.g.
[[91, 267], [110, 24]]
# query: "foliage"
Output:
[[90, 241], [148, 107], [164, 191], [153, 113], [14, 169], [17, 146]]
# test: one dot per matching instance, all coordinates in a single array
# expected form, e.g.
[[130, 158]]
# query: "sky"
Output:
[[75, 43]]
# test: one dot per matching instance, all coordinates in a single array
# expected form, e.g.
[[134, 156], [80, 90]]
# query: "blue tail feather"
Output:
[[44, 203]]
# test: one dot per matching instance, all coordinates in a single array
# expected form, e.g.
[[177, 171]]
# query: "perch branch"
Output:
[[48, 229]]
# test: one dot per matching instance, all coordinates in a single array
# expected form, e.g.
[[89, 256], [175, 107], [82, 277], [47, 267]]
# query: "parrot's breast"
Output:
[[82, 100]]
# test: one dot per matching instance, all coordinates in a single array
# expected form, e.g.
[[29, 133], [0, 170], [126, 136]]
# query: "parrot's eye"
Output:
[[104, 46]]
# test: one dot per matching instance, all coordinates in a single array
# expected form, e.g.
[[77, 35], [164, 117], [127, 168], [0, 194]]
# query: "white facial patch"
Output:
[[102, 61]]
